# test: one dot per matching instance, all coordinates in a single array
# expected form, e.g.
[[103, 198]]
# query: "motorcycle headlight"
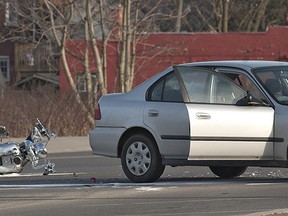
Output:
[[40, 150]]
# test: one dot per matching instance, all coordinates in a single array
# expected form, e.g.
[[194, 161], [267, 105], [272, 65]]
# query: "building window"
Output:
[[4, 67], [82, 82], [11, 18]]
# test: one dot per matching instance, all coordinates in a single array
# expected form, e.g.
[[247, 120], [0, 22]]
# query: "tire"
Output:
[[141, 160], [228, 171]]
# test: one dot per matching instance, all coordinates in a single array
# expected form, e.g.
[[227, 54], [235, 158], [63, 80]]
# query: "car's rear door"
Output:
[[221, 128], [166, 115]]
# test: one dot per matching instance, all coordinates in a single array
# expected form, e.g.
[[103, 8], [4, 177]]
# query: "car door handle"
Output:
[[203, 116], [153, 113]]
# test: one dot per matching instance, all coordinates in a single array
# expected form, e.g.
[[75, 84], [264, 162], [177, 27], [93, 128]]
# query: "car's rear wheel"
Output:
[[140, 158], [228, 171]]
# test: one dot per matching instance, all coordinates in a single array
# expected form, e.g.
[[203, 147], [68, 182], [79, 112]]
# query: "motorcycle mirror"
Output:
[[53, 135], [3, 131]]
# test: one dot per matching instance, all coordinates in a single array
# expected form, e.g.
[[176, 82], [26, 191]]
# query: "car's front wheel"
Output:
[[228, 171], [140, 159]]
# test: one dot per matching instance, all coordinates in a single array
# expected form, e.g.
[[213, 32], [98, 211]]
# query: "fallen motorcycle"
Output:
[[14, 156]]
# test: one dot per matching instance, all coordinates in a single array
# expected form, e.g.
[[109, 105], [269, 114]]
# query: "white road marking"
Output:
[[35, 186], [154, 186], [13, 175], [157, 186], [263, 183], [149, 189]]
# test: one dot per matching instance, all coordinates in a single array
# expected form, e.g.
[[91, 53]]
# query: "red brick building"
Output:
[[155, 52]]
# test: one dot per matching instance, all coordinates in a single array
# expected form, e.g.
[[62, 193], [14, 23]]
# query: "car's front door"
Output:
[[222, 128]]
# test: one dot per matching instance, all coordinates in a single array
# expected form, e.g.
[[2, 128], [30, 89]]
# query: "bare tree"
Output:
[[225, 15], [179, 16], [51, 21], [260, 14], [137, 18], [222, 15], [57, 20], [60, 22]]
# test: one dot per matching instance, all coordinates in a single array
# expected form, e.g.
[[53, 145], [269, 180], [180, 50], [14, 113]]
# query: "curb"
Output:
[[276, 212]]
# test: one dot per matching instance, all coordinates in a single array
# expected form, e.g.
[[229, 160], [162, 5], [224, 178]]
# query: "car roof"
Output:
[[237, 63], [241, 64]]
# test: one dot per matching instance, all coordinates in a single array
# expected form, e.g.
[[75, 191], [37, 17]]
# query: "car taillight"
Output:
[[97, 112]]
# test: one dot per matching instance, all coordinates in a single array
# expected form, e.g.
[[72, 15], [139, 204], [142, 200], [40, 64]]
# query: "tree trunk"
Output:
[[122, 49], [179, 16], [127, 76], [260, 14], [133, 43], [87, 71], [104, 42], [99, 72], [61, 42], [225, 15]]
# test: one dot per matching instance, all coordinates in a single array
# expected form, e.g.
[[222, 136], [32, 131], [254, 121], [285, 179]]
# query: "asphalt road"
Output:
[[85, 184]]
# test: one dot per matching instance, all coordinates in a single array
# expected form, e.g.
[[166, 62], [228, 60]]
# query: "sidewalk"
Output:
[[69, 144], [62, 144]]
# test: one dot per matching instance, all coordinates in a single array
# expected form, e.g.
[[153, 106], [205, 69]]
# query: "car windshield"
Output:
[[275, 81]]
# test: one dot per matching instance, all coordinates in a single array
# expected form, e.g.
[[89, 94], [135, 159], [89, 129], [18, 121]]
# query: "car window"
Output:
[[197, 84], [156, 93], [167, 90], [226, 92], [205, 86], [246, 83], [275, 81]]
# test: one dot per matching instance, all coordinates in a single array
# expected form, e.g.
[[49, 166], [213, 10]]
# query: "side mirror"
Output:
[[250, 99]]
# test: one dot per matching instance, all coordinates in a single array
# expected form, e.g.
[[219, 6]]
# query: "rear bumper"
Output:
[[104, 140]]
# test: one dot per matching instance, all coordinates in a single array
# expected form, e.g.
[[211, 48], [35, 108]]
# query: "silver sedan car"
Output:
[[227, 115]]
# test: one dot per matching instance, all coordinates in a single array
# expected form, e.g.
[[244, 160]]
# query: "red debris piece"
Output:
[[93, 179]]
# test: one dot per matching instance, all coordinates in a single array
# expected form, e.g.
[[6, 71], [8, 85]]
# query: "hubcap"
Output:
[[138, 158]]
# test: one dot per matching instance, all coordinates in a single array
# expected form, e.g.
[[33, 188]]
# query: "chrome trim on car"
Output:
[[268, 163]]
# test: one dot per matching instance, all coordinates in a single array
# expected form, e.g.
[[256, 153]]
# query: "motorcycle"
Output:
[[14, 156]]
